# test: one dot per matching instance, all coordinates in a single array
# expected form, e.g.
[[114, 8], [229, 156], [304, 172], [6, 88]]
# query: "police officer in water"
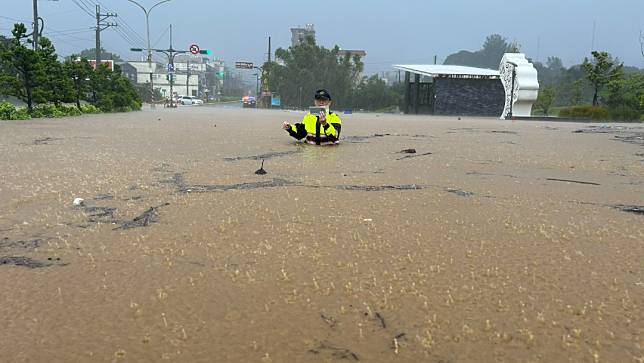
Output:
[[322, 128]]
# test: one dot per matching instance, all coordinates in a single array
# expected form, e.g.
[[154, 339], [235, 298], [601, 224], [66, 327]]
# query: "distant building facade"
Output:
[[191, 75], [299, 35]]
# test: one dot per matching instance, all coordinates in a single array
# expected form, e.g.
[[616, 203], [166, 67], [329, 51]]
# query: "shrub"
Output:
[[595, 113], [47, 110], [89, 108], [7, 110], [625, 113], [21, 114], [70, 110]]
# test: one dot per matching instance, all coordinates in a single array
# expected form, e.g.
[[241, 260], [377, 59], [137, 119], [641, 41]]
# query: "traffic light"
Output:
[[205, 51], [221, 74]]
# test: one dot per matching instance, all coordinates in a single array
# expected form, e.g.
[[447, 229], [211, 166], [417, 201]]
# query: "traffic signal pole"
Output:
[[171, 53]]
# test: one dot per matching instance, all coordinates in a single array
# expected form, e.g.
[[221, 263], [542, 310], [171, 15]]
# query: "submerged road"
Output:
[[493, 241]]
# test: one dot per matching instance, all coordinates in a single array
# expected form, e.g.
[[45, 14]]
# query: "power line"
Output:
[[14, 19], [162, 34], [83, 7]]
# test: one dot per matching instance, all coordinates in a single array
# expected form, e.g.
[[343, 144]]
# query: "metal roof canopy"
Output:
[[448, 71]]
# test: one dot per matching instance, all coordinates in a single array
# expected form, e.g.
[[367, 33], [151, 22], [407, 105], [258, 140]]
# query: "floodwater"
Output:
[[496, 241]]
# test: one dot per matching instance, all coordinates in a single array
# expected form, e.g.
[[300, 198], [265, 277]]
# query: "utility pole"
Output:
[[100, 26], [36, 24], [147, 24], [171, 59], [265, 76]]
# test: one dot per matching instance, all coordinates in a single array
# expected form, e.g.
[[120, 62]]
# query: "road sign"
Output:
[[170, 67], [244, 65], [194, 49]]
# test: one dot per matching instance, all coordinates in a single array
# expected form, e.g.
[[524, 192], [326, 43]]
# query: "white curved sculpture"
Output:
[[519, 79]]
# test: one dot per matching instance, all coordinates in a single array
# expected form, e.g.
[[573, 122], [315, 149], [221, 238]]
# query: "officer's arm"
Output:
[[298, 131]]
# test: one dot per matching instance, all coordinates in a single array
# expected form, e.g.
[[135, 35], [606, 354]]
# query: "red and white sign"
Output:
[[108, 63], [194, 49]]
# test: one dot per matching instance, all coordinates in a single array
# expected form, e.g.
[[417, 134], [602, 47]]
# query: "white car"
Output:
[[190, 100]]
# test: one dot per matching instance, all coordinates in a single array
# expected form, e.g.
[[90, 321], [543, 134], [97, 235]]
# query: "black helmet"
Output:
[[322, 94]]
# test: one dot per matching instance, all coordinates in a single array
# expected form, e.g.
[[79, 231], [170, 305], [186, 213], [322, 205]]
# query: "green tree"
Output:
[[546, 98], [487, 57], [576, 92], [304, 68], [600, 71], [57, 87], [111, 91], [105, 55], [625, 97], [374, 94], [78, 71], [23, 72]]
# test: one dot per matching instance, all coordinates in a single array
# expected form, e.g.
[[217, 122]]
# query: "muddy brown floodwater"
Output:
[[495, 241]]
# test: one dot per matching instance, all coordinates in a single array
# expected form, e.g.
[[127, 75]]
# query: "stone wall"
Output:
[[471, 97]]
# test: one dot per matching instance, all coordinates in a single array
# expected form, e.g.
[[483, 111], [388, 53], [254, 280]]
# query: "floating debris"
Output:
[[407, 151], [414, 156], [100, 214], [22, 261], [381, 320], [337, 353], [104, 197], [261, 170], [328, 320], [46, 140], [7, 244], [637, 209], [270, 155], [572, 181], [276, 182], [379, 188], [459, 192], [503, 132], [145, 219]]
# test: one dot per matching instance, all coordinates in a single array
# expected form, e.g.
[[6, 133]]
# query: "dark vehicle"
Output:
[[248, 101]]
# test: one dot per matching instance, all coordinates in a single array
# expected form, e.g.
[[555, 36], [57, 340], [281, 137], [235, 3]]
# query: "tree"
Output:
[[78, 71], [57, 86], [105, 55], [576, 92], [494, 47], [374, 94], [625, 97], [546, 98], [306, 67], [111, 91], [23, 72], [600, 71]]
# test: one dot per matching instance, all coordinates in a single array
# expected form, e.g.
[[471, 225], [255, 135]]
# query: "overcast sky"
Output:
[[391, 32]]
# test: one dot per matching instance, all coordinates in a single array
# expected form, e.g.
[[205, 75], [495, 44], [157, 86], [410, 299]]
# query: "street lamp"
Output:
[[147, 23]]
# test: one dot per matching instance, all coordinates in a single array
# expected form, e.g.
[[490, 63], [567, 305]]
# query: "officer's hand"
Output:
[[286, 125], [322, 117]]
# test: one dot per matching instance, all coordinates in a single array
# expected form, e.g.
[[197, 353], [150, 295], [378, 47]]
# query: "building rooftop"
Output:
[[442, 70]]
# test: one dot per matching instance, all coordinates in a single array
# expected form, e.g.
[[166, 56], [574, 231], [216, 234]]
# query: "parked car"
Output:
[[185, 100], [190, 100], [248, 101]]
